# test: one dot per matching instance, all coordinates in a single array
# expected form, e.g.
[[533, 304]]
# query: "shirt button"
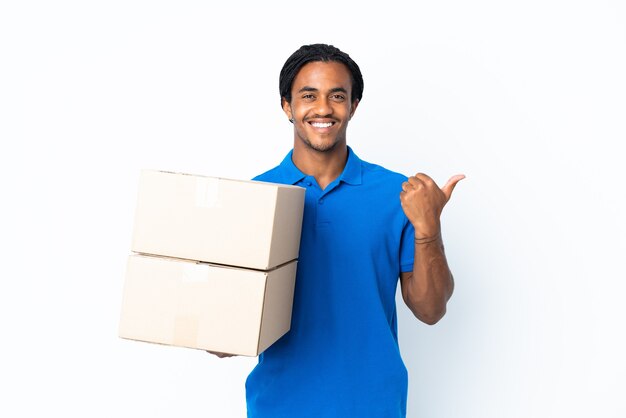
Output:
[[321, 201], [308, 183]]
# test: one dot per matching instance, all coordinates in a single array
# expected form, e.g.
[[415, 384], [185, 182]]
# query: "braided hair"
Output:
[[313, 53]]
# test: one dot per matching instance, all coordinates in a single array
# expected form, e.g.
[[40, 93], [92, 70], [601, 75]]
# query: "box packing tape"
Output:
[[208, 192], [187, 322]]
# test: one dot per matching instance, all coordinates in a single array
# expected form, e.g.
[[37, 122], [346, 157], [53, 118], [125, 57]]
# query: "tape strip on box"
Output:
[[194, 273], [186, 331], [187, 321], [208, 192]]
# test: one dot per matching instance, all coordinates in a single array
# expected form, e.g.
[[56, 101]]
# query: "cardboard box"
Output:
[[238, 223], [199, 305]]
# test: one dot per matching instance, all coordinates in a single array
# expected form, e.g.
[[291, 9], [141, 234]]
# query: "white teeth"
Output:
[[321, 125]]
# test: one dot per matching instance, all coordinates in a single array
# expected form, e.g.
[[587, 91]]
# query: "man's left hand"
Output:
[[422, 201]]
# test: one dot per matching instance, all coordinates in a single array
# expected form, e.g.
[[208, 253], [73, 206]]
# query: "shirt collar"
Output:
[[289, 172], [351, 172]]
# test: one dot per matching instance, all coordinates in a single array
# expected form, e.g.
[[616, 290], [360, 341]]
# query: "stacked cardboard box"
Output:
[[214, 262]]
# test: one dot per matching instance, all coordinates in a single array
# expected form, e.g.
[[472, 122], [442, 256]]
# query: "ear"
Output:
[[287, 108], [355, 103]]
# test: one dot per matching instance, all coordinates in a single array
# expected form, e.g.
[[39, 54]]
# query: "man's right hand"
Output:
[[221, 355]]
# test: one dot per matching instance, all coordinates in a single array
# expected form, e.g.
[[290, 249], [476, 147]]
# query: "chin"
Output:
[[321, 146]]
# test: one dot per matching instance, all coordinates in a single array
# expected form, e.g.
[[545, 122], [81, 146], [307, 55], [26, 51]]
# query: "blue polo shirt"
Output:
[[341, 358]]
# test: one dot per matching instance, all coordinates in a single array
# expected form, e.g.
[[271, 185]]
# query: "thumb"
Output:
[[451, 184]]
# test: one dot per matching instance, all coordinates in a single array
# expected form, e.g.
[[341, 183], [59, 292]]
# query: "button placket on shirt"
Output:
[[313, 194], [323, 211], [319, 196]]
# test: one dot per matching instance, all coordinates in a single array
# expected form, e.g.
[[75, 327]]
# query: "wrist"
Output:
[[424, 231], [425, 239]]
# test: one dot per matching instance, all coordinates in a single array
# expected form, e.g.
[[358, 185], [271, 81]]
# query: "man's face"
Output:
[[320, 105]]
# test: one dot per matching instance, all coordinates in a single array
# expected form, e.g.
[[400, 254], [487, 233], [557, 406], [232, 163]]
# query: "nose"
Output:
[[323, 107]]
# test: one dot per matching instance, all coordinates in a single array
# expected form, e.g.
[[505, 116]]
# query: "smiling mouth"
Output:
[[321, 124]]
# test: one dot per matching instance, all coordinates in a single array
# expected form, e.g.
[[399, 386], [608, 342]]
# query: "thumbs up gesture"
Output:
[[422, 202]]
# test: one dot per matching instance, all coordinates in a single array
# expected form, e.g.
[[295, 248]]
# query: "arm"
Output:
[[427, 289]]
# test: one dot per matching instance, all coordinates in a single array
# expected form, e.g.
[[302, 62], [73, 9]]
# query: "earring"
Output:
[[291, 120]]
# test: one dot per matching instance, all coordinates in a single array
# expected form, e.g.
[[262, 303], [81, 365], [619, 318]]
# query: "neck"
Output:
[[325, 167]]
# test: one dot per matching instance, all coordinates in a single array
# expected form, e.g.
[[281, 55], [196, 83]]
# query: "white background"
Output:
[[527, 98]]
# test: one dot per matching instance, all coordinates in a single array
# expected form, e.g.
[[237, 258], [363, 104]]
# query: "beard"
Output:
[[319, 147]]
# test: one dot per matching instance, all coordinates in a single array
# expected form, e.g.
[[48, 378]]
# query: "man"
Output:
[[363, 227]]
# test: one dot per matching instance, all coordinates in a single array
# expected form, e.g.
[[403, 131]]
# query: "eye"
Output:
[[338, 97], [308, 97]]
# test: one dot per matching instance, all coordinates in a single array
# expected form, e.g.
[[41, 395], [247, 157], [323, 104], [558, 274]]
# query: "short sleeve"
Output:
[[407, 247]]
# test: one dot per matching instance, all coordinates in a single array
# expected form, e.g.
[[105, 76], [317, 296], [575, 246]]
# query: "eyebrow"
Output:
[[333, 90]]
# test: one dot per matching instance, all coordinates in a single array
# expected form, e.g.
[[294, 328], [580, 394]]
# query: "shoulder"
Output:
[[271, 175], [377, 173]]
